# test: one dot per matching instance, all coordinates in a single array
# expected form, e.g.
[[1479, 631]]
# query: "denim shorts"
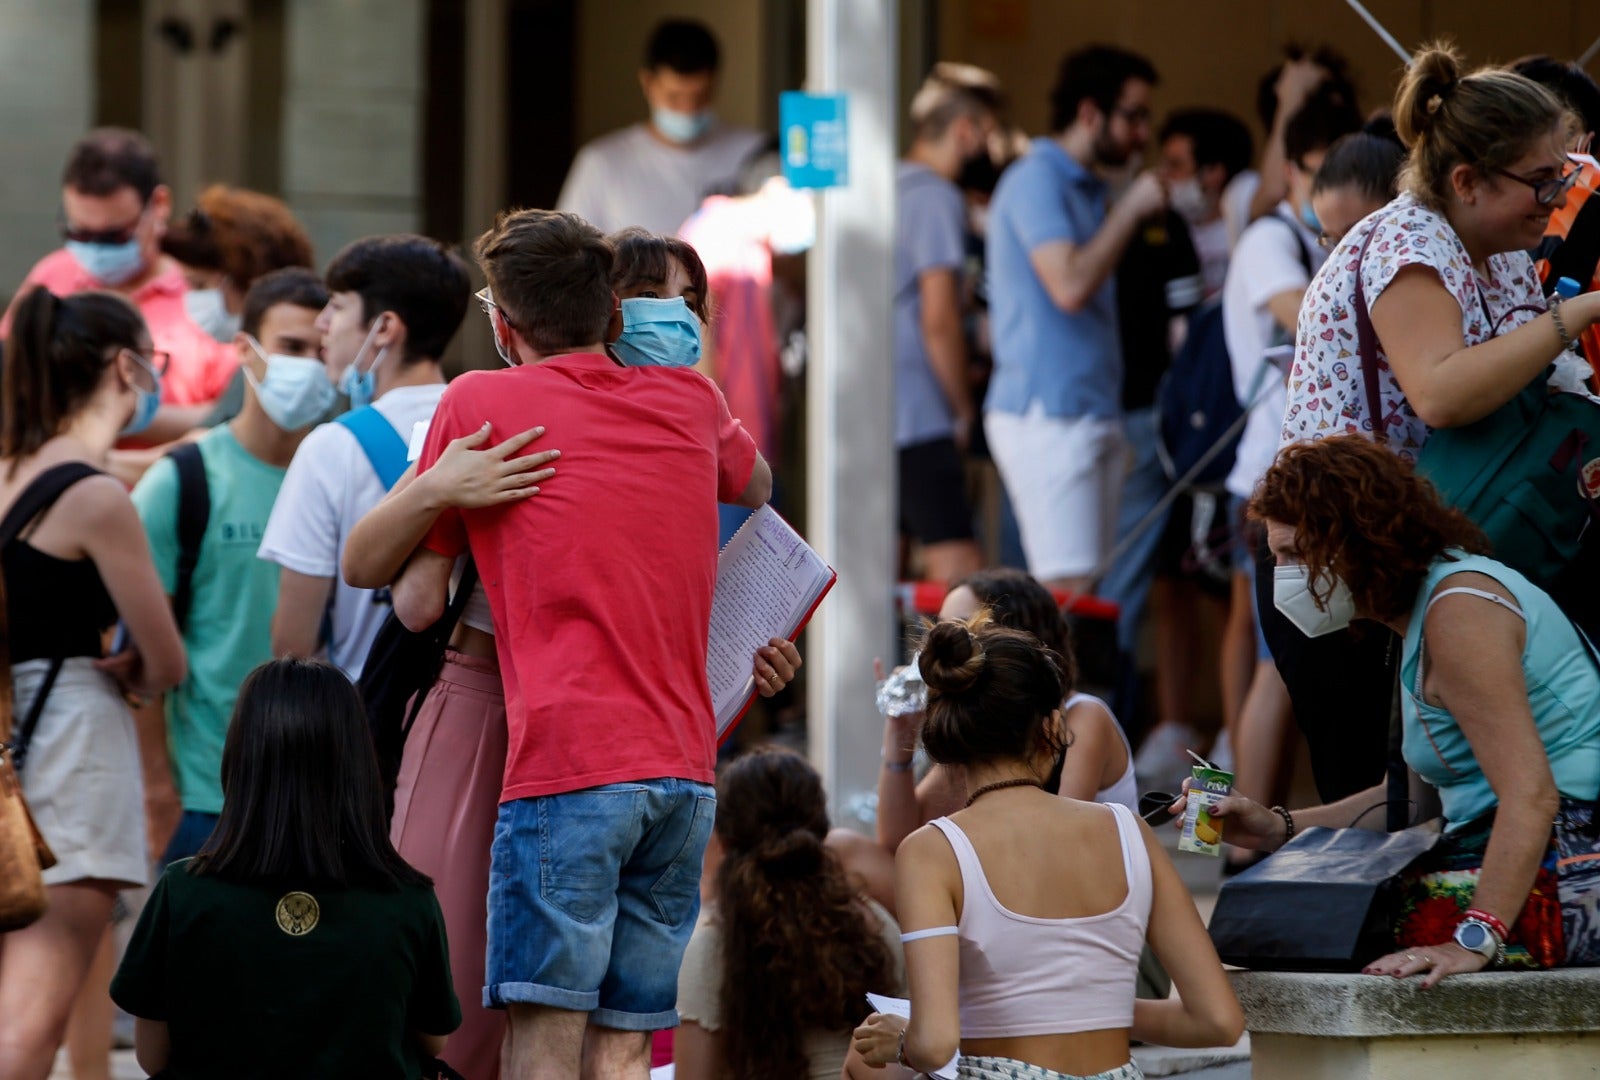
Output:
[[592, 897]]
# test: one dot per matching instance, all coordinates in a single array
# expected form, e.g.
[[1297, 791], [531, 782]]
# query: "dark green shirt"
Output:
[[275, 981]]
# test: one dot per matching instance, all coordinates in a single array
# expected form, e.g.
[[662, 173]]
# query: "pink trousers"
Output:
[[445, 806]]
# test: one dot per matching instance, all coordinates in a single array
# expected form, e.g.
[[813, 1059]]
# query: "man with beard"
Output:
[[1053, 413]]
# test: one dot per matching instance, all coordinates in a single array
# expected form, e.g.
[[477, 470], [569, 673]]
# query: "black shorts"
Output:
[[933, 493]]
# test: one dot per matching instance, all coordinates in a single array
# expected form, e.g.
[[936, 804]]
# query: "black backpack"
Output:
[[1201, 415], [194, 512], [401, 666]]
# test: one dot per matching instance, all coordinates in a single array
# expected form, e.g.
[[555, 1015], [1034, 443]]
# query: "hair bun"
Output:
[[951, 658], [1434, 75]]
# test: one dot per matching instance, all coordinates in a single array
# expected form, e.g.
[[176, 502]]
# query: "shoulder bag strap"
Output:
[[1299, 243], [1367, 342], [194, 512], [35, 499]]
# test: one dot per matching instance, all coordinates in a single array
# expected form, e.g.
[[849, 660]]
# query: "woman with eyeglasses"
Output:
[[1459, 327], [1444, 267], [79, 374]]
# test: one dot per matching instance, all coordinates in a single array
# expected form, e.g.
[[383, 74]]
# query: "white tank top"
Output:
[[1023, 975], [1124, 791]]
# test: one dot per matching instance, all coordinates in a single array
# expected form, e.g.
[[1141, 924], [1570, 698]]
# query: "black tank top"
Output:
[[55, 608]]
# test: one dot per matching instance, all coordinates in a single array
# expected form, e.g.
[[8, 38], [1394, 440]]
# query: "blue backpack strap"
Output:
[[194, 512], [382, 444]]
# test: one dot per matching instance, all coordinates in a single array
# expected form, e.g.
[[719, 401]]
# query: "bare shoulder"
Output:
[[95, 500], [928, 843], [1464, 617]]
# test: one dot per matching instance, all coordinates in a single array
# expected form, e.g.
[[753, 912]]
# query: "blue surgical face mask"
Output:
[[208, 309], [296, 392], [1308, 218], [148, 401], [681, 127], [109, 264], [357, 385], [658, 333]]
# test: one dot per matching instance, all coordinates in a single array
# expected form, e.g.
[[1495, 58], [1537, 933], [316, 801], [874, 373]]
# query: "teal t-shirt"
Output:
[[229, 628], [290, 979]]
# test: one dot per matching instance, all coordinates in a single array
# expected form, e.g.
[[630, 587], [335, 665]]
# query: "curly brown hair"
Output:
[[1362, 515], [798, 952], [244, 234]]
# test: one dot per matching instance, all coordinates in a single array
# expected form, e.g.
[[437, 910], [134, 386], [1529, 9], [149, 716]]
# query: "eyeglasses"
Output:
[[485, 300], [98, 236], [1546, 192], [1138, 116], [156, 363]]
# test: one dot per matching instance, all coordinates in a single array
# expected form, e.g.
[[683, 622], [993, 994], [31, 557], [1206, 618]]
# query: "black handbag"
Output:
[[1325, 901]]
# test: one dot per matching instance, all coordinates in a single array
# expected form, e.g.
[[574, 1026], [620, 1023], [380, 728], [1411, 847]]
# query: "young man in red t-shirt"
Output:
[[601, 594]]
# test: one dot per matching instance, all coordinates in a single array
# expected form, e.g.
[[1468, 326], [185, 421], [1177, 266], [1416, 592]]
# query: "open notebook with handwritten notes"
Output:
[[769, 582]]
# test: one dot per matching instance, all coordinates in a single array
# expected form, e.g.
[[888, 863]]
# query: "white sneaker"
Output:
[[1162, 762], [1222, 752]]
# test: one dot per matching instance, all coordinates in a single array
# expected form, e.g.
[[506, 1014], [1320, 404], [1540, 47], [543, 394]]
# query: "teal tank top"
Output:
[[1563, 684]]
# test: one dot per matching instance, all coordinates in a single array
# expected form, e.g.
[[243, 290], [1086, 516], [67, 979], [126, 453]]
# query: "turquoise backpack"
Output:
[[1528, 473]]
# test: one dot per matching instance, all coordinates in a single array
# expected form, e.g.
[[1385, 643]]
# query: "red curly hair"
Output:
[[1362, 515]]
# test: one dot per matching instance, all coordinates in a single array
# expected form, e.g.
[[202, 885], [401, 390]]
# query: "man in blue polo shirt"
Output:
[[1053, 414]]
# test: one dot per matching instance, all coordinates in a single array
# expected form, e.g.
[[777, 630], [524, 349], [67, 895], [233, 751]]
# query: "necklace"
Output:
[[1016, 781]]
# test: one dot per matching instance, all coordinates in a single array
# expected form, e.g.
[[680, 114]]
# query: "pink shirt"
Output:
[[601, 586], [200, 367], [731, 241]]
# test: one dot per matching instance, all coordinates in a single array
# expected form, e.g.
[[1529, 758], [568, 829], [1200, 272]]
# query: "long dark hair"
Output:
[[58, 349], [797, 952], [301, 797]]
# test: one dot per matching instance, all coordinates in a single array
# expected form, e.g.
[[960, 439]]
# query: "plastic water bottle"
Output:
[[903, 693]]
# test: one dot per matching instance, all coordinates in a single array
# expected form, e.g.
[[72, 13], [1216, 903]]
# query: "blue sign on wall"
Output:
[[816, 139]]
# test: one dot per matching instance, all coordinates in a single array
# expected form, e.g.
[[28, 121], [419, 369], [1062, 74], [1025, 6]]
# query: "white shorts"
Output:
[[1064, 476], [82, 777]]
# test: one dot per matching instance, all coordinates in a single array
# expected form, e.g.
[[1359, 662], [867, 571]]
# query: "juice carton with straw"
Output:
[[1202, 834]]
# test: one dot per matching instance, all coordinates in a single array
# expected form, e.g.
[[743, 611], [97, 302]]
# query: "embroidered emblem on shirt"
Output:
[[298, 914], [1589, 479]]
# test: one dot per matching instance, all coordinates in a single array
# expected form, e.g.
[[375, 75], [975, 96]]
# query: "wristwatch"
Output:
[[1475, 935]]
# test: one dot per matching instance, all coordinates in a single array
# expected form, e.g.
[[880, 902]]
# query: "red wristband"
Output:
[[1494, 922]]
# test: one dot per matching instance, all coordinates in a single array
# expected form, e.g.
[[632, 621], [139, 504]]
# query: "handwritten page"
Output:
[[893, 1006], [768, 583]]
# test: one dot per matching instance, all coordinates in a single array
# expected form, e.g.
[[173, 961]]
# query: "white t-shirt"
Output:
[[329, 487], [630, 177], [1236, 199], [1267, 261]]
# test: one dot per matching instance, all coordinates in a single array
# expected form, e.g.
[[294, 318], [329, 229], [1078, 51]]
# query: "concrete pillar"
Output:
[[354, 76], [47, 87], [851, 47]]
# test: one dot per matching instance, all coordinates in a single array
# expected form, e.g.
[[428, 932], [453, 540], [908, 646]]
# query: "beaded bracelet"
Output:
[[899, 766], [1288, 822], [1561, 325]]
